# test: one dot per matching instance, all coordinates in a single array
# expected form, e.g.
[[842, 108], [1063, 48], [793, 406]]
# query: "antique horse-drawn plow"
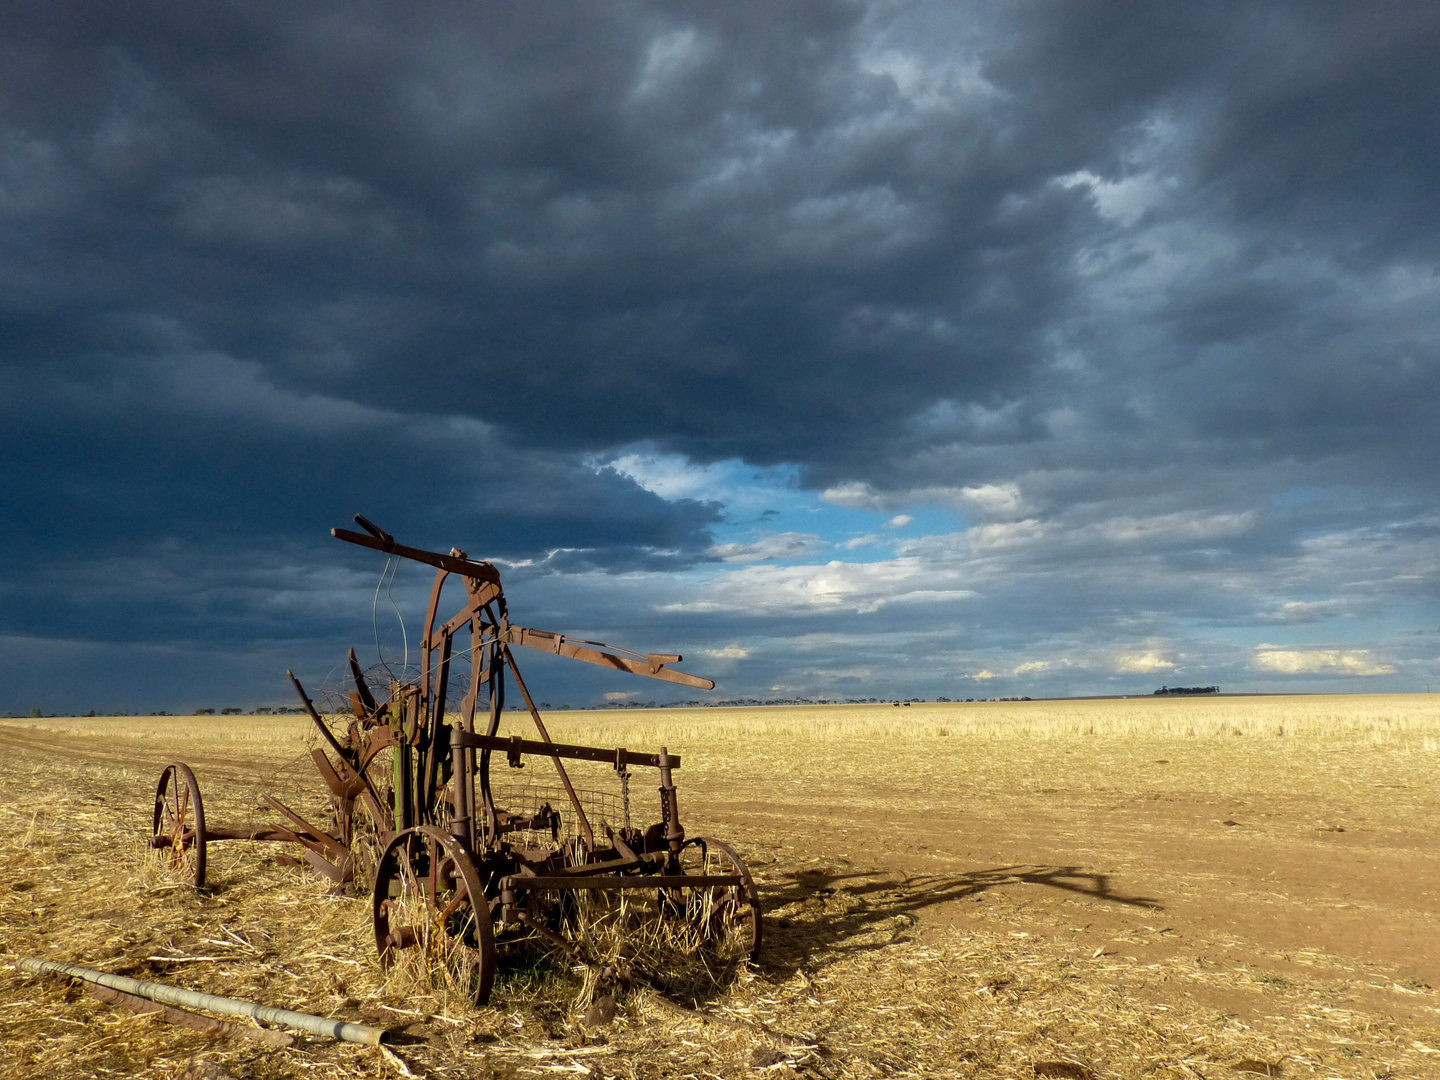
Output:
[[454, 864]]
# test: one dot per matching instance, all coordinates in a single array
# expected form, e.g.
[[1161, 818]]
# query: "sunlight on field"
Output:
[[1377, 716], [1371, 717], [1148, 887]]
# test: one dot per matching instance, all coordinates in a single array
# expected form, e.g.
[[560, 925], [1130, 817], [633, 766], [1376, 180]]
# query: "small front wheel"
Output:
[[177, 828], [430, 912]]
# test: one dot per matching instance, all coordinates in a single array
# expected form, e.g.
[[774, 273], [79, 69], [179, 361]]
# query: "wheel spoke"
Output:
[[459, 900]]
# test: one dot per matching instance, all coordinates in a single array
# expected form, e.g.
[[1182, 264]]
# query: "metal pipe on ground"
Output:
[[207, 1024], [227, 1006]]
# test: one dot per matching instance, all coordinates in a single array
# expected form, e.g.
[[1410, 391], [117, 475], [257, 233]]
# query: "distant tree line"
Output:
[[732, 703], [1164, 690]]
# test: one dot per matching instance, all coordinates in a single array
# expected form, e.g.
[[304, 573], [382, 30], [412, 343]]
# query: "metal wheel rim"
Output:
[[180, 810], [732, 904]]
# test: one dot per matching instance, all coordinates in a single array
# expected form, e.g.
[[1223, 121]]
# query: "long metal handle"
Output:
[[651, 666]]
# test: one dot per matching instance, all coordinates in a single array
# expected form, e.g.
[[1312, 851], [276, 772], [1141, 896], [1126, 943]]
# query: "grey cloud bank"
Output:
[[1124, 320]]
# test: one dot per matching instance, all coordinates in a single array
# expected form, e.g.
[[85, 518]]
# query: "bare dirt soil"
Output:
[[1082, 891]]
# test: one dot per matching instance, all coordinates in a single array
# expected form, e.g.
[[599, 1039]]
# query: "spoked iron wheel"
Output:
[[723, 917], [177, 829], [430, 912]]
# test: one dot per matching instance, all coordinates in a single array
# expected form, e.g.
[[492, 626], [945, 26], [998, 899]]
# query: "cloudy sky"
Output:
[[861, 350]]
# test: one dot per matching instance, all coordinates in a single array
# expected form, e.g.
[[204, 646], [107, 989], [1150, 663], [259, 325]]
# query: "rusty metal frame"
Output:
[[439, 803]]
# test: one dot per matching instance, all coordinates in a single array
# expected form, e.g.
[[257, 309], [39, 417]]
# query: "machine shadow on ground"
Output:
[[817, 935]]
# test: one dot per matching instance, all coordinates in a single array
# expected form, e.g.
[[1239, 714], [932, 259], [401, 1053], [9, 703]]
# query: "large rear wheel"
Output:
[[430, 913]]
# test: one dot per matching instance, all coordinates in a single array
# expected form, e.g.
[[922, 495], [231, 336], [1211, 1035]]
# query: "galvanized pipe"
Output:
[[174, 995]]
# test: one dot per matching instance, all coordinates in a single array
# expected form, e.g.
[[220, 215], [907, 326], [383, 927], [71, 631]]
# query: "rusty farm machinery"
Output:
[[456, 856]]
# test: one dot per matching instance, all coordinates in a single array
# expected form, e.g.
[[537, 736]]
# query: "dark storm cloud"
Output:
[[199, 463], [1101, 268], [700, 225]]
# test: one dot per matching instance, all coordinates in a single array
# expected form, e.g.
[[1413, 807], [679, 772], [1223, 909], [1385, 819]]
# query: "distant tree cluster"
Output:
[[740, 703], [259, 710], [1165, 690], [208, 710]]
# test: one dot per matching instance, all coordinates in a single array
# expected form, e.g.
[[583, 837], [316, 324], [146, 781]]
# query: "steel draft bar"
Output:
[[514, 744]]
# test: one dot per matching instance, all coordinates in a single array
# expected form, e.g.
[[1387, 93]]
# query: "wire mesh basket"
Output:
[[524, 793]]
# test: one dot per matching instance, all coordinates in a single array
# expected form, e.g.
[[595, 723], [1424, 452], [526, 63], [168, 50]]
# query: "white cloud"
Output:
[[1141, 662], [1058, 539], [855, 496], [671, 476], [669, 58], [1182, 527], [1319, 661], [982, 676], [618, 695], [835, 586], [860, 541], [1125, 200], [786, 545], [729, 652], [899, 521], [1032, 665], [995, 499], [981, 541], [1303, 611]]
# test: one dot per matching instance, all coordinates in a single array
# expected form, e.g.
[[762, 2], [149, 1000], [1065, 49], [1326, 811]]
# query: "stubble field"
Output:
[[1193, 888]]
